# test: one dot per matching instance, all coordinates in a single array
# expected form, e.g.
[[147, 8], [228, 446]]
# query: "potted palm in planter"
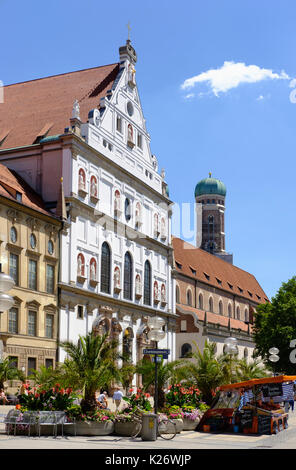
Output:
[[126, 421]]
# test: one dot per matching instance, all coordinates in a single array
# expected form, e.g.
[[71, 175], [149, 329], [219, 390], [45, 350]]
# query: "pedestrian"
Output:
[[3, 399], [286, 406], [117, 396], [291, 403], [102, 400]]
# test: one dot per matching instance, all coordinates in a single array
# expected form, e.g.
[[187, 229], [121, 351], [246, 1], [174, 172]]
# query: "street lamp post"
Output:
[[231, 349], [156, 334], [6, 301], [273, 356]]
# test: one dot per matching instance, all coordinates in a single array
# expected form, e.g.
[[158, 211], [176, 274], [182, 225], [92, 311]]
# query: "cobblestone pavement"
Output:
[[184, 440]]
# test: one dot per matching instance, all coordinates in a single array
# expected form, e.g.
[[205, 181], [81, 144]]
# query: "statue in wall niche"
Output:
[[93, 271], [76, 110], [117, 201], [117, 277], [162, 226], [155, 290], [138, 284], [156, 224], [130, 133], [93, 187], [162, 174], [80, 266], [163, 295], [81, 179], [131, 74]]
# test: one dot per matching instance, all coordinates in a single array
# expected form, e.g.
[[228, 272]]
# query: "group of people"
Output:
[[103, 402], [3, 398]]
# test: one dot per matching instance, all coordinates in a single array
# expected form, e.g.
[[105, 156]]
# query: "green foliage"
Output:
[[250, 370], [138, 400], [166, 372], [45, 377], [95, 415], [8, 371], [90, 365], [275, 326]]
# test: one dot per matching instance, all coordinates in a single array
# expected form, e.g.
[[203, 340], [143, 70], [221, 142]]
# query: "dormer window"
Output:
[[179, 265], [19, 196], [207, 276]]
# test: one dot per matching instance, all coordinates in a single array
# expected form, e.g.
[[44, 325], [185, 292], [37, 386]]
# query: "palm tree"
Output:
[[47, 377], [250, 370], [91, 364], [8, 371], [204, 370], [228, 364], [166, 373]]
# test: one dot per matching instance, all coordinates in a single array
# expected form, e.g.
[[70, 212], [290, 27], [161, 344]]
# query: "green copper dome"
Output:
[[210, 186]]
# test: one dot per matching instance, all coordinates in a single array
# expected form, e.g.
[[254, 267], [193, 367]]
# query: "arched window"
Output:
[[128, 277], [229, 310], [186, 349], [127, 344], [221, 307], [147, 283], [127, 209], [105, 268], [200, 301], [246, 352], [177, 294], [238, 313], [189, 297], [211, 304], [246, 315]]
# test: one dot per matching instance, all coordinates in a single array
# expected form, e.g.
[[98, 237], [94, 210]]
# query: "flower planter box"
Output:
[[190, 424], [125, 429], [91, 428]]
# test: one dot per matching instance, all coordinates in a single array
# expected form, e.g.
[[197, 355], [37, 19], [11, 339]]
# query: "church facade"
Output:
[[115, 248]]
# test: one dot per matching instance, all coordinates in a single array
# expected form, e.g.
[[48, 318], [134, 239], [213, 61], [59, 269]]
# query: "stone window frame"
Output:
[[211, 304], [54, 277], [51, 314], [178, 296], [221, 310], [36, 260], [27, 364], [189, 300]]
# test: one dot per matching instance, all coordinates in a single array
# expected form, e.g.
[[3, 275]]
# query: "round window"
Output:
[[50, 247], [130, 108], [13, 234], [33, 241]]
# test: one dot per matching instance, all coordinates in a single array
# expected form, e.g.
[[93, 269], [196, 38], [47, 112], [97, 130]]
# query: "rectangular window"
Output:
[[80, 311], [32, 274], [49, 363], [49, 326], [13, 267], [183, 325], [13, 321], [14, 361], [49, 279], [140, 141], [31, 364], [32, 316], [119, 124]]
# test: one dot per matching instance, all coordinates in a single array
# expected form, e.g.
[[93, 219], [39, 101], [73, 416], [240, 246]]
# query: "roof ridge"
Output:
[[60, 74]]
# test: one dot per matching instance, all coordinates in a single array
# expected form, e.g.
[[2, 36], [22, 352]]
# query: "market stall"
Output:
[[252, 407]]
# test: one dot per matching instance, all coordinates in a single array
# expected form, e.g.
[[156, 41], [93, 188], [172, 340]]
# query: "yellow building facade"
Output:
[[29, 253]]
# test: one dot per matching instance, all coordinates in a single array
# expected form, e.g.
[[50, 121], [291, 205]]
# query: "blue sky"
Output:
[[245, 136]]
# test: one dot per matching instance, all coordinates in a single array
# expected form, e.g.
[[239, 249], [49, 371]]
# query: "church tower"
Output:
[[210, 196]]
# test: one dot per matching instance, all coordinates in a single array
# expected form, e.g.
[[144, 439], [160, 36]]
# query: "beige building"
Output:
[[214, 300], [29, 253]]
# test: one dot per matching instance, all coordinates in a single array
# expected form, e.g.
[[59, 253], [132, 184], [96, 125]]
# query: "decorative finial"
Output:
[[128, 29], [62, 179], [210, 174]]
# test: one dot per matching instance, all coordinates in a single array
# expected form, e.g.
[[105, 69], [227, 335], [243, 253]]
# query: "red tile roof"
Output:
[[216, 272], [45, 105], [11, 184]]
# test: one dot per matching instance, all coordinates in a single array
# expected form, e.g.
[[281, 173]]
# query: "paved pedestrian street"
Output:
[[185, 440]]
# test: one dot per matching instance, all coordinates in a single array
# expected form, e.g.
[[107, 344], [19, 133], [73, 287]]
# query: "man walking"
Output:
[[117, 396]]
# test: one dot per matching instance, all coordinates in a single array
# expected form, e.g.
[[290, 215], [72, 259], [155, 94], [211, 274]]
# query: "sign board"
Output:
[[161, 352], [158, 358], [272, 390]]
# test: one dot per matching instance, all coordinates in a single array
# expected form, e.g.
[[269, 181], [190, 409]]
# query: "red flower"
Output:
[[131, 390], [147, 395], [62, 391], [18, 407]]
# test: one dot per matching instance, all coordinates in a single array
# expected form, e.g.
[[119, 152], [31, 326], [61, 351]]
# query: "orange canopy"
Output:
[[266, 380]]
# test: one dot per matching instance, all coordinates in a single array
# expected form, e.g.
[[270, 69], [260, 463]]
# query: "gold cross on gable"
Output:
[[129, 29]]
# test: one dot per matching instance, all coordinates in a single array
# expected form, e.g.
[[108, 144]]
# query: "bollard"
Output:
[[149, 427]]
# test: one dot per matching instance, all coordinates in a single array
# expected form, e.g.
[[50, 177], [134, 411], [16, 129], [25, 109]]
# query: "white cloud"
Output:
[[260, 98], [189, 96], [231, 75]]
